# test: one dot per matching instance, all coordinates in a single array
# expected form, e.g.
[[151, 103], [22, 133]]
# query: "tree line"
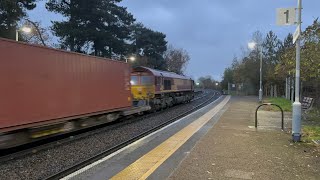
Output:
[[96, 27], [278, 63], [207, 82]]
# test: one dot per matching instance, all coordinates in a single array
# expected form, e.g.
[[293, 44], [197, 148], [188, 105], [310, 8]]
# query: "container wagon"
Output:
[[44, 91]]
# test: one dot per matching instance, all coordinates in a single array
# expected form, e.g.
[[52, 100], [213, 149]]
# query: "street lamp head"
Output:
[[26, 29], [252, 45], [132, 58]]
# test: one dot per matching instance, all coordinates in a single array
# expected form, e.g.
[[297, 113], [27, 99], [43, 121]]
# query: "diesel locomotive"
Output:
[[160, 89]]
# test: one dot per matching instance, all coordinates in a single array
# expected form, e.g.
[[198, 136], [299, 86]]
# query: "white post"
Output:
[[260, 90], [289, 87], [292, 90], [275, 91], [17, 35], [296, 107]]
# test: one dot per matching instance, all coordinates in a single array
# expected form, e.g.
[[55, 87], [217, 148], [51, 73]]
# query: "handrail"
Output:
[[268, 104]]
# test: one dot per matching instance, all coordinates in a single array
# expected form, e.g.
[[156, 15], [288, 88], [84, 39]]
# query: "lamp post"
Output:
[[23, 29], [131, 58], [296, 107], [251, 46]]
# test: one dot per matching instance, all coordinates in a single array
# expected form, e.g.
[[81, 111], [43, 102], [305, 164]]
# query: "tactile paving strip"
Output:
[[147, 164]]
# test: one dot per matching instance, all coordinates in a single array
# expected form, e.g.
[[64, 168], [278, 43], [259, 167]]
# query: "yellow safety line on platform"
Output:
[[147, 164]]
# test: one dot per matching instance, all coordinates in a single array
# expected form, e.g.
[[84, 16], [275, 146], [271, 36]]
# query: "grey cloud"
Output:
[[212, 31]]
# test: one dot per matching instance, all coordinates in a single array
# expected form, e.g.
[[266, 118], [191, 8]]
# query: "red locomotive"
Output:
[[160, 88]]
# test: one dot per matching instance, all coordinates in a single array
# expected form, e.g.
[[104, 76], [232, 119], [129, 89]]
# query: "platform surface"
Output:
[[234, 150], [158, 154], [215, 142]]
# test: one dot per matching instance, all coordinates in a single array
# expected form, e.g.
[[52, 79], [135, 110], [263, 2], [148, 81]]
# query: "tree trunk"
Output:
[[266, 91], [286, 87]]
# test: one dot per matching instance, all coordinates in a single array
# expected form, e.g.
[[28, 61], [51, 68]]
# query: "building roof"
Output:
[[161, 73]]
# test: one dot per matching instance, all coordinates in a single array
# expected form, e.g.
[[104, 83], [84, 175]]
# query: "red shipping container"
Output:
[[39, 84]]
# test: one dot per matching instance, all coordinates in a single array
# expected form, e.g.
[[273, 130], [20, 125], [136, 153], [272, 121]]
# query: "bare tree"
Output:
[[38, 35], [208, 82], [176, 59]]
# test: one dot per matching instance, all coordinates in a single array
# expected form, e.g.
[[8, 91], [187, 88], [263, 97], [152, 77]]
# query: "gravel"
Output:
[[44, 163]]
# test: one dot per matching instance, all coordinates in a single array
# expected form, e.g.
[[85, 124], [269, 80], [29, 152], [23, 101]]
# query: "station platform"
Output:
[[232, 149], [215, 142]]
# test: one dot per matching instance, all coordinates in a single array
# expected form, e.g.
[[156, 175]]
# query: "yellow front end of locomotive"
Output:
[[142, 92]]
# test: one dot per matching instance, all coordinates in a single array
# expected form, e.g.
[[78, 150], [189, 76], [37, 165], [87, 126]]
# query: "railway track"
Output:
[[92, 159], [33, 147], [46, 160]]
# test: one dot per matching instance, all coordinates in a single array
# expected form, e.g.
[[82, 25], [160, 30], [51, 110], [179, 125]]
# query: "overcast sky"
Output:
[[212, 31]]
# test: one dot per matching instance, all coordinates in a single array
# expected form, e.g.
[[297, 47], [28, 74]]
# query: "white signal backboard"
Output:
[[286, 16]]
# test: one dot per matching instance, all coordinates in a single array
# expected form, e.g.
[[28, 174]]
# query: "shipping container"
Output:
[[40, 85]]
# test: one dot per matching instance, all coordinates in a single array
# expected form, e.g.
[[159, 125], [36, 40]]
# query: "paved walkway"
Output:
[[232, 150]]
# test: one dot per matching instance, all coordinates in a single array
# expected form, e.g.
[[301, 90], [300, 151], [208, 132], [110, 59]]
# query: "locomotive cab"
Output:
[[142, 86]]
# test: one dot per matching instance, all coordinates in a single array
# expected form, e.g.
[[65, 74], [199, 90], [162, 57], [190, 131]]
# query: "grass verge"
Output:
[[284, 103], [311, 125], [311, 133]]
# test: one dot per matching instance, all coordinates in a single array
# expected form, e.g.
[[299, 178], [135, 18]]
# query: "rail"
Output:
[[88, 161], [268, 104]]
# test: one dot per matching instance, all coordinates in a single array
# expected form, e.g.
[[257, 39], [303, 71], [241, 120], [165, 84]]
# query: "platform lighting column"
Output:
[[260, 90], [296, 107], [251, 46], [23, 29], [17, 35], [131, 58]]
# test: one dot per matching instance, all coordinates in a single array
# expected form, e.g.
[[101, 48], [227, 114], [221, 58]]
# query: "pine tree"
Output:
[[152, 43], [271, 46], [102, 24]]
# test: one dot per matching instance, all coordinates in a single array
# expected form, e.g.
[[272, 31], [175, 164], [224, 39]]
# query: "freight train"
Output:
[[46, 92]]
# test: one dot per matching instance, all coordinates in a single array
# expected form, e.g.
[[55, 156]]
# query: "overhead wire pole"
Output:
[[296, 107]]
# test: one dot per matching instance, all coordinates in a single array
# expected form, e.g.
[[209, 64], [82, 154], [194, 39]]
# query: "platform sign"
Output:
[[296, 34], [286, 16]]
